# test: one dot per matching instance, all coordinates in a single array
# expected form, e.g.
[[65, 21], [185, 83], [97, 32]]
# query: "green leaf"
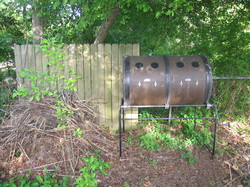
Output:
[[158, 14], [15, 94], [191, 160], [38, 98], [39, 179]]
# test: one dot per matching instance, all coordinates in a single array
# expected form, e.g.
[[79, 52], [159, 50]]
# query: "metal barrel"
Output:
[[166, 80]]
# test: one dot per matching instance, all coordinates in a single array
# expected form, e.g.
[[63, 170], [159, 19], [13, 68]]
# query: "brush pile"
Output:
[[30, 137]]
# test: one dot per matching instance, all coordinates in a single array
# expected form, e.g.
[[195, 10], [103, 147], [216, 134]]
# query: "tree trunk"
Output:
[[37, 28], [25, 22], [106, 25]]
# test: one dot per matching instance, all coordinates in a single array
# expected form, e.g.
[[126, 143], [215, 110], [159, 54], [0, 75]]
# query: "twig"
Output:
[[63, 154], [2, 110], [26, 155], [230, 172], [72, 176], [42, 166], [54, 163], [232, 181]]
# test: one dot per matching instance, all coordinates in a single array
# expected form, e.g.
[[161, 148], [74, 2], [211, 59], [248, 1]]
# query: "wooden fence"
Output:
[[99, 65]]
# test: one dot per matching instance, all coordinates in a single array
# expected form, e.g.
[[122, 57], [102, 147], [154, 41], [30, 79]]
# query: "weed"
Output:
[[89, 173], [94, 165], [78, 132], [246, 182], [149, 142], [130, 140], [152, 161], [140, 181], [47, 181], [222, 147], [17, 154], [126, 184], [188, 155], [156, 134]]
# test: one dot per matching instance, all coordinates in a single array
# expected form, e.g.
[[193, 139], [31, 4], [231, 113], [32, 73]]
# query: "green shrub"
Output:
[[155, 134]]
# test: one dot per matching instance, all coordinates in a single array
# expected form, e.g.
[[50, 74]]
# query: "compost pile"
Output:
[[30, 137]]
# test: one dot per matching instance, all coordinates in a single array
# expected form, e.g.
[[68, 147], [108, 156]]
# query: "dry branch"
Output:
[[32, 130]]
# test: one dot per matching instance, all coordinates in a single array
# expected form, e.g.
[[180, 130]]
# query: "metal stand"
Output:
[[122, 121]]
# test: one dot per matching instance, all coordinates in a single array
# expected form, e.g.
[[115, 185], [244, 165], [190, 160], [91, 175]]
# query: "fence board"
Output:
[[38, 61], [87, 71], [31, 57], [101, 68], [24, 56], [52, 71], [72, 60], [108, 84], [80, 71], [18, 61], [116, 101], [45, 69], [66, 61], [122, 53], [94, 64], [61, 70], [101, 83], [65, 73]]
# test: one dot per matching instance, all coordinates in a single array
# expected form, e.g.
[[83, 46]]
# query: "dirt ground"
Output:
[[141, 167], [168, 169]]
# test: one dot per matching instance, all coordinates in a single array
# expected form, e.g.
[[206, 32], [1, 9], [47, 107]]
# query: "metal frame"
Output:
[[122, 120]]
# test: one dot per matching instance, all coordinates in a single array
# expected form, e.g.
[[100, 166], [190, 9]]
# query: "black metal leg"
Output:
[[123, 121], [194, 117], [215, 130], [120, 134], [123, 114], [170, 115]]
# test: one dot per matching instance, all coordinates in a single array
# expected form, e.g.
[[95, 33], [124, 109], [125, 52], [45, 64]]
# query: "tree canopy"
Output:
[[218, 29]]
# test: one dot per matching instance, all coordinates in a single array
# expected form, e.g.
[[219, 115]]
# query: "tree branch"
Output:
[[106, 25]]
